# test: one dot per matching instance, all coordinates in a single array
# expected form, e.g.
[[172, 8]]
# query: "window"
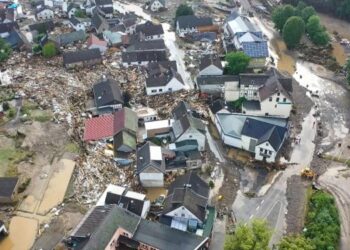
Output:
[[266, 114], [190, 136], [277, 99], [255, 94], [160, 90], [270, 99], [284, 99], [261, 150], [182, 215], [170, 89], [154, 91], [270, 152], [278, 94], [275, 105]]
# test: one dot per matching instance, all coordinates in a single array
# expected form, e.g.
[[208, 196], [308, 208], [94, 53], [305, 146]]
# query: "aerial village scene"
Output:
[[174, 124]]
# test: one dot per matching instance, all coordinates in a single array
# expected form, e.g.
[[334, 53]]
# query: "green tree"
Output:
[[293, 31], [295, 242], [317, 33], [237, 62], [5, 50], [343, 10], [307, 12], [249, 237], [281, 14], [49, 50], [183, 10], [80, 13]]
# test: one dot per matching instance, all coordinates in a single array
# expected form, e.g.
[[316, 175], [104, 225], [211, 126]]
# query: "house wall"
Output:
[[265, 150], [144, 63], [154, 132], [101, 48], [79, 26], [211, 70], [194, 134], [257, 62], [279, 105], [172, 86], [155, 37], [156, 5], [72, 12], [250, 92], [226, 139], [213, 89], [84, 63], [152, 179], [183, 214], [231, 91], [45, 14], [246, 141], [183, 32]]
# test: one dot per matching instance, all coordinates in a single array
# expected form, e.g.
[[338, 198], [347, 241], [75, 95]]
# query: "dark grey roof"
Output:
[[166, 238], [216, 80], [217, 105], [154, 45], [71, 6], [272, 86], [99, 225], [8, 27], [180, 110], [144, 56], [163, 79], [150, 29], [133, 205], [74, 20], [42, 27], [257, 129], [14, 39], [253, 79], [192, 21], [97, 20], [251, 105], [103, 2], [208, 60], [144, 160], [157, 68], [70, 38], [275, 136], [106, 10], [189, 191], [7, 186], [81, 55], [107, 92]]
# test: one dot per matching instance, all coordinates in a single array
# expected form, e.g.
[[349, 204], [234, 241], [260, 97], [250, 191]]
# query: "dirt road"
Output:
[[337, 181]]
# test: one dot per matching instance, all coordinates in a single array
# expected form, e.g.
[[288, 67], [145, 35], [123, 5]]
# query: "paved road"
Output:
[[335, 181], [273, 205]]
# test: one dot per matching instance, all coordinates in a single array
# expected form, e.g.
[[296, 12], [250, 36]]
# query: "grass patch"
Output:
[[10, 113], [72, 148], [322, 221], [43, 118], [9, 157]]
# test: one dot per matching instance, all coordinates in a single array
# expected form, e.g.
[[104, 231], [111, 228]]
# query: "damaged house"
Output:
[[82, 58], [150, 31], [193, 24]]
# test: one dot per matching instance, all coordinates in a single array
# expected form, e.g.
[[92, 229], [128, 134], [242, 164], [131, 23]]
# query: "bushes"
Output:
[[183, 10], [49, 50], [237, 62], [322, 221], [293, 31], [5, 50], [318, 34]]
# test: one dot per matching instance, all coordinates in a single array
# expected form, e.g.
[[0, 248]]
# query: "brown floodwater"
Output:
[[339, 53], [285, 62], [153, 193], [22, 233]]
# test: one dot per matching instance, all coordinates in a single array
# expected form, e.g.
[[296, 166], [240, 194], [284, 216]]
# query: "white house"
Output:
[[44, 13], [191, 24], [190, 128], [261, 136], [210, 65], [164, 84], [160, 129], [76, 24], [157, 5], [136, 203], [145, 114], [190, 205], [150, 165]]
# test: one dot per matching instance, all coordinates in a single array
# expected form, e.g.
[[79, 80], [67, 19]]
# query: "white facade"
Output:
[[277, 105], [71, 12], [183, 214], [192, 133], [156, 6], [183, 32], [265, 151], [100, 47], [211, 70], [172, 86], [250, 92], [78, 26], [144, 63], [231, 91], [152, 179], [226, 139], [45, 14]]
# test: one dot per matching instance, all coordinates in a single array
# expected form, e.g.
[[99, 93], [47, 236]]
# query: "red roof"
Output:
[[93, 40], [98, 128], [104, 126]]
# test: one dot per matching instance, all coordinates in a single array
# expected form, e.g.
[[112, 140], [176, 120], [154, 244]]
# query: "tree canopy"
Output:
[[281, 14], [183, 10], [316, 31], [49, 50], [295, 242], [5, 50], [237, 62], [307, 12], [293, 31], [255, 236]]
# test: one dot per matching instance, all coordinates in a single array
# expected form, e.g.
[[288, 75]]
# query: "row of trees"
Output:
[[338, 8], [256, 236], [322, 230], [293, 22]]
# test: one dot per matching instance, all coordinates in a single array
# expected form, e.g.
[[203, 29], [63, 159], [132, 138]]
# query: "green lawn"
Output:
[[9, 157]]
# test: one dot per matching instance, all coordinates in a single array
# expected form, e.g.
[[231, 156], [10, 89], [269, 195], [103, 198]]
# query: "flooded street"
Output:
[[22, 234], [176, 53]]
